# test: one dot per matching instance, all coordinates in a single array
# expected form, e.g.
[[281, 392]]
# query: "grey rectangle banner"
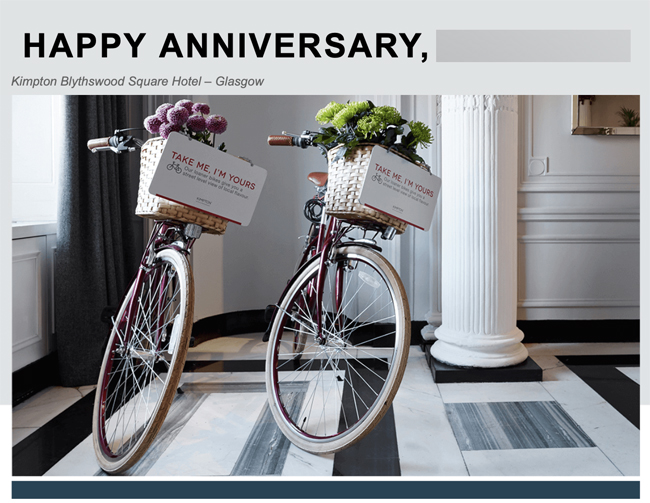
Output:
[[533, 46]]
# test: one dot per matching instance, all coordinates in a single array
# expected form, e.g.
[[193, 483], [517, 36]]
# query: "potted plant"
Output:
[[630, 117]]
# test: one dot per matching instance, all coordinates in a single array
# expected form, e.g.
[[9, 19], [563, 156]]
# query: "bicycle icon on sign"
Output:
[[376, 178], [175, 166]]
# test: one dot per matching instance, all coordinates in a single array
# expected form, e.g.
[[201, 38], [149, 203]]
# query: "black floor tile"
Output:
[[36, 454], [600, 373]]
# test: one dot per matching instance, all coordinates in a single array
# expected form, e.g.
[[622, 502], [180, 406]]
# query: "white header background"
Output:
[[325, 75], [359, 75]]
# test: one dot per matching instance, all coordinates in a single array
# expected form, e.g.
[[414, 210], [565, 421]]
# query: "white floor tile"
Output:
[[212, 439], [44, 406], [300, 463], [234, 347], [539, 462], [84, 390], [493, 392], [633, 373], [553, 369], [426, 442], [19, 434], [616, 437], [80, 461]]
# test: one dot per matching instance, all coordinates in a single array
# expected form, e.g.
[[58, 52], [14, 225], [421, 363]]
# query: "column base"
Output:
[[463, 349], [527, 371]]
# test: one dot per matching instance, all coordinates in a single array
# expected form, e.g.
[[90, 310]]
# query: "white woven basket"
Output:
[[344, 183], [151, 206]]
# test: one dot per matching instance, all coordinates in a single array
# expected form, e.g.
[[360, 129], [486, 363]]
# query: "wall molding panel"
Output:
[[541, 172], [27, 267], [570, 214], [578, 218]]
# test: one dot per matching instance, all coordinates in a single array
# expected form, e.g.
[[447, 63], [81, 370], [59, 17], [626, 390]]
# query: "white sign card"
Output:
[[400, 189], [204, 178]]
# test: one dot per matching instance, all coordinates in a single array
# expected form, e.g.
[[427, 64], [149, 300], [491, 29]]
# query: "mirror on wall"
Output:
[[605, 114]]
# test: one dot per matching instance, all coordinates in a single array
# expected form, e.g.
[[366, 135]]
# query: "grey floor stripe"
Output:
[[266, 448], [182, 409], [228, 387], [514, 425]]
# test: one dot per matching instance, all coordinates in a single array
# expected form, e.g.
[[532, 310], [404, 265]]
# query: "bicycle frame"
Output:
[[165, 234], [329, 236]]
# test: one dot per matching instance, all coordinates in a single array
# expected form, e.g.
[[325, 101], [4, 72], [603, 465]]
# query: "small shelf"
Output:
[[608, 131], [601, 115]]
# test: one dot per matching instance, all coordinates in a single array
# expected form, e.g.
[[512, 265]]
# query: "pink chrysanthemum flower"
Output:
[[152, 124], [177, 115], [161, 112], [167, 129], [201, 108], [186, 104], [216, 124], [196, 123]]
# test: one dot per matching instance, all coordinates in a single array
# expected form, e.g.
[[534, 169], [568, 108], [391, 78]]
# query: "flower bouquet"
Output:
[[191, 119], [358, 122], [194, 121]]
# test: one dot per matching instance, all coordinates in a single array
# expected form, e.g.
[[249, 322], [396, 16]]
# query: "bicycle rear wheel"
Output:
[[143, 362], [327, 395]]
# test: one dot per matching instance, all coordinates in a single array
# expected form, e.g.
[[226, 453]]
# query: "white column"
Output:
[[479, 233]]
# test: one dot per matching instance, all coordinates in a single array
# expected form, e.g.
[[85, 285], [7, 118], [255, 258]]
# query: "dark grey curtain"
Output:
[[96, 255]]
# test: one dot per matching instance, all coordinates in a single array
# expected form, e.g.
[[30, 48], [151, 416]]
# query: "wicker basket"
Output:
[[151, 206], [344, 183]]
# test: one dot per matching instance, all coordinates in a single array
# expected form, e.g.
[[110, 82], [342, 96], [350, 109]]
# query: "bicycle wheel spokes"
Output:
[[140, 363], [347, 377]]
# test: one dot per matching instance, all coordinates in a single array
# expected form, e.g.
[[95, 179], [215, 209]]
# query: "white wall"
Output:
[[578, 218], [248, 267], [578, 214], [416, 254]]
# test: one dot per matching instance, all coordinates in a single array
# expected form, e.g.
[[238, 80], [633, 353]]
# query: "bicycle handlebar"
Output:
[[304, 140], [118, 143], [282, 140], [99, 144]]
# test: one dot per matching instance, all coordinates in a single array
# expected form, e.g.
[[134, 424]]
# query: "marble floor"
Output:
[[581, 420]]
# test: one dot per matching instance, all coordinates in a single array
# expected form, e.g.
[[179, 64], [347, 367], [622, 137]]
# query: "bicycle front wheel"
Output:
[[328, 392], [143, 362]]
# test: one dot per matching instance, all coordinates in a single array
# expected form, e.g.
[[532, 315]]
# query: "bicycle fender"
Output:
[[377, 248]]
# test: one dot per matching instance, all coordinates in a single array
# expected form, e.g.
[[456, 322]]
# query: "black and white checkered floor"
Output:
[[581, 420]]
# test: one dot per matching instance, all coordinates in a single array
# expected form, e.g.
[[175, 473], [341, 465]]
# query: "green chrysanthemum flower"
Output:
[[327, 113], [349, 111], [421, 133], [387, 115], [369, 125]]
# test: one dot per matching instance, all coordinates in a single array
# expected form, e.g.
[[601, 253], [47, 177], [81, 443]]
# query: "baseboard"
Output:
[[35, 377], [252, 321], [558, 331], [222, 325]]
